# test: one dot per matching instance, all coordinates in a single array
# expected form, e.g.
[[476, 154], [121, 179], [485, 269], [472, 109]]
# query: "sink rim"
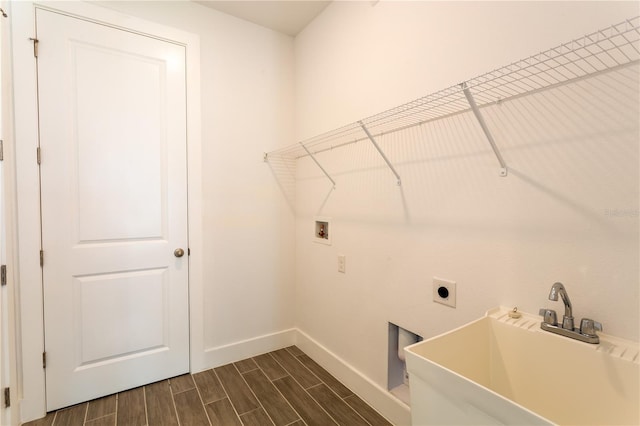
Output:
[[614, 346]]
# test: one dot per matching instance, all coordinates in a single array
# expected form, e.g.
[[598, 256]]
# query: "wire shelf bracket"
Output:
[[485, 129], [382, 154], [319, 165]]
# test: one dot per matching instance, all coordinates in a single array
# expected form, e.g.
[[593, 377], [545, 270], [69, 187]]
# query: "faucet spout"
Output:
[[586, 332], [567, 320]]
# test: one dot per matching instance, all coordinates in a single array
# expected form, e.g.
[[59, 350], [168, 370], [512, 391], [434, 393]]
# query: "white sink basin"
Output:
[[500, 370]]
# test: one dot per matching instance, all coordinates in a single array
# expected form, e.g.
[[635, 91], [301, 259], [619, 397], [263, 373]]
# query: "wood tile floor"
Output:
[[284, 387]]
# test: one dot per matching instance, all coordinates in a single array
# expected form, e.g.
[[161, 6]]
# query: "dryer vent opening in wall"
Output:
[[397, 375], [322, 230]]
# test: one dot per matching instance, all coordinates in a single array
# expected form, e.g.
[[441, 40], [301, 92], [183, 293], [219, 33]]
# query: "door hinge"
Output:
[[44, 360], [3, 275], [7, 397], [41, 258], [35, 46], [1, 150], [38, 156]]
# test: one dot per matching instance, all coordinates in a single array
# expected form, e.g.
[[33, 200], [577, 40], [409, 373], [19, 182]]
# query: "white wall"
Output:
[[573, 160], [247, 109]]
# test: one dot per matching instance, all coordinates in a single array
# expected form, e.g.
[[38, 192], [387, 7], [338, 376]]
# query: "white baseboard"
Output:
[[376, 396], [221, 355]]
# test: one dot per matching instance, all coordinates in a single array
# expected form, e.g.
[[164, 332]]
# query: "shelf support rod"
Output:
[[384, 157], [485, 129], [318, 164]]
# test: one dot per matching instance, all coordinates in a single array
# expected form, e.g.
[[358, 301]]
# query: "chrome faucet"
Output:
[[567, 319], [588, 327]]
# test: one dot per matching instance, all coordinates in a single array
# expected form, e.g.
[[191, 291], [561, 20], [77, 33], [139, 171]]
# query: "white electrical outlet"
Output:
[[342, 263], [444, 291]]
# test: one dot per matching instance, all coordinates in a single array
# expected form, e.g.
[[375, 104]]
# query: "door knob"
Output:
[[178, 252]]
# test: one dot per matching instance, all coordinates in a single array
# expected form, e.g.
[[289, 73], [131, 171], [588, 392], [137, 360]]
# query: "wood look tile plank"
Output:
[[298, 423], [160, 407], [342, 413], [101, 407], [294, 350], [131, 409], [368, 413], [256, 417], [181, 383], [239, 393], [270, 366], [209, 386], [190, 409], [274, 404], [109, 420], [301, 401], [221, 413], [325, 376], [71, 416], [246, 365], [295, 368]]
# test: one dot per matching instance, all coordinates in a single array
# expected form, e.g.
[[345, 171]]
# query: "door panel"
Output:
[[110, 303], [119, 139], [113, 185]]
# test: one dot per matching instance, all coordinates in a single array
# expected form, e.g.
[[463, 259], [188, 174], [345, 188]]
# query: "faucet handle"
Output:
[[588, 327], [549, 315]]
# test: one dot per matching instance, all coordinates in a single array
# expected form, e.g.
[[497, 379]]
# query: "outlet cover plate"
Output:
[[444, 292]]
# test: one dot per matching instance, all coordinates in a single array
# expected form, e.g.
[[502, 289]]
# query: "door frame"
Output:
[[8, 365], [29, 318]]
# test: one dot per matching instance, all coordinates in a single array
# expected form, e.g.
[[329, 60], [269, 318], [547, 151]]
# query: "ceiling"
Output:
[[288, 17]]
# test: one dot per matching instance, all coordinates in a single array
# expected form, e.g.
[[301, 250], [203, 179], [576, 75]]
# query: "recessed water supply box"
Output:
[[397, 375], [322, 230]]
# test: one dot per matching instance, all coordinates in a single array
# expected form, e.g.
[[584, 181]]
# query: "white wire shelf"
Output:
[[602, 51]]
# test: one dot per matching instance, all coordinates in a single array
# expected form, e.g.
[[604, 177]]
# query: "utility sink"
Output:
[[503, 370]]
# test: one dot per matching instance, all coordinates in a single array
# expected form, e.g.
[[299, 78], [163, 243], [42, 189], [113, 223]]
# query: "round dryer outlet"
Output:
[[444, 292]]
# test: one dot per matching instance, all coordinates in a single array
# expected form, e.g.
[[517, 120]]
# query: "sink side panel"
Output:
[[440, 398], [465, 351]]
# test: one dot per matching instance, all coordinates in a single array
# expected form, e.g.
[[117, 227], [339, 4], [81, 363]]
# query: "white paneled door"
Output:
[[114, 208]]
